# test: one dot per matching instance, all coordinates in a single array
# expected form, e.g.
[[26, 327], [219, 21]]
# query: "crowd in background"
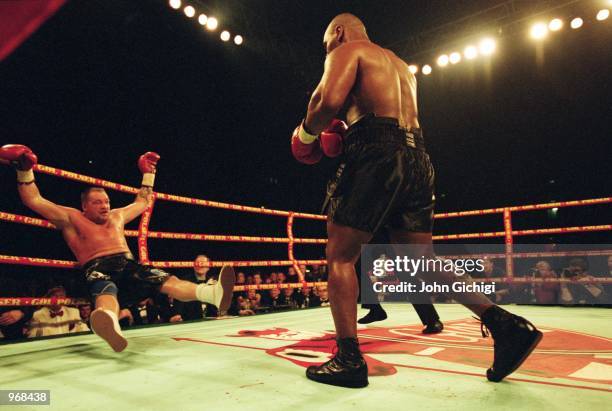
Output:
[[28, 322], [539, 284]]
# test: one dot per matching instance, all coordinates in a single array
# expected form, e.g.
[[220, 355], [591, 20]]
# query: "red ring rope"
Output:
[[143, 233]]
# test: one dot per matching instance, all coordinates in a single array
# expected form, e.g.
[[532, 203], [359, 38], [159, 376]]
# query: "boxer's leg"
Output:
[[218, 294], [514, 337], [108, 302], [103, 319], [421, 246], [347, 368], [343, 250]]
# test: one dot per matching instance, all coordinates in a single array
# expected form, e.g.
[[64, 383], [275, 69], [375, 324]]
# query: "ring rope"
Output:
[[143, 232]]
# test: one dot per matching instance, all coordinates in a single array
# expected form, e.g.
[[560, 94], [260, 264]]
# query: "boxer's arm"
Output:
[[56, 214], [331, 93], [140, 204], [147, 163]]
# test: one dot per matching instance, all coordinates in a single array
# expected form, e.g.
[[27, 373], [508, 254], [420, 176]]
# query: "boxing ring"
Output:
[[259, 362]]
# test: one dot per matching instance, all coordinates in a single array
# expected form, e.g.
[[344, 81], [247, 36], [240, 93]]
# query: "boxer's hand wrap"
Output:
[[332, 138], [147, 163], [22, 158], [148, 179], [25, 177], [305, 147], [304, 136]]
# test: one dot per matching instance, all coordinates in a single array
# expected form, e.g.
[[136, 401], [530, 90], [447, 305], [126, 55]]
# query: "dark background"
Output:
[[104, 81]]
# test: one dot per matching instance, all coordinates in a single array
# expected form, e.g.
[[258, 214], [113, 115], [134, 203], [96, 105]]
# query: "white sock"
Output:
[[115, 321], [205, 293]]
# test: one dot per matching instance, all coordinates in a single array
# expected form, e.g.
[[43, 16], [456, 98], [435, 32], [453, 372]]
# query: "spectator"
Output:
[[125, 317], [240, 280], [257, 278], [13, 320], [84, 313], [195, 310], [290, 298], [292, 276], [282, 278], [272, 279], [607, 287], [315, 274], [276, 299], [322, 272], [546, 292], [321, 292], [237, 308], [251, 302], [308, 298], [154, 310], [55, 319], [490, 270], [581, 289]]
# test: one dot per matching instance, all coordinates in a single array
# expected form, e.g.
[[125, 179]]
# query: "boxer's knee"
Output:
[[169, 284], [339, 252]]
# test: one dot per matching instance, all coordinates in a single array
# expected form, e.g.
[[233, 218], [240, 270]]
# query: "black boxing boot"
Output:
[[346, 369], [514, 338], [376, 313], [433, 328]]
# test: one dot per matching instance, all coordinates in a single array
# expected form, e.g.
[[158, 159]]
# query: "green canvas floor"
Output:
[[258, 363]]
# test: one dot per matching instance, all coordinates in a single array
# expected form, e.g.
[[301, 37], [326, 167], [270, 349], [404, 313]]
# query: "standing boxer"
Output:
[[386, 181]]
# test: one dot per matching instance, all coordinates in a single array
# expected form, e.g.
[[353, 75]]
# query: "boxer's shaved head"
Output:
[[343, 28], [346, 20]]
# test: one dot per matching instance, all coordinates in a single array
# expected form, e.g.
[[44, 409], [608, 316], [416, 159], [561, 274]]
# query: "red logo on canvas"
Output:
[[560, 354]]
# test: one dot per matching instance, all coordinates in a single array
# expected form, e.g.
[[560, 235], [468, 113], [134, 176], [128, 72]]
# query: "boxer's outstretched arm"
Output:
[[140, 204], [56, 214], [336, 84], [147, 163]]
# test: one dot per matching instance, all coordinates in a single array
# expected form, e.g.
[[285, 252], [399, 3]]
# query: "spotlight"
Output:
[[175, 4], [455, 58], [487, 47], [225, 35], [470, 52], [442, 60], [603, 14], [576, 23], [212, 23], [538, 31], [426, 69], [555, 25], [238, 40], [189, 11], [413, 69], [202, 19]]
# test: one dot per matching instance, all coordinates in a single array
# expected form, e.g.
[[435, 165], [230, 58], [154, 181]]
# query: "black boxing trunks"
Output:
[[385, 180], [122, 276]]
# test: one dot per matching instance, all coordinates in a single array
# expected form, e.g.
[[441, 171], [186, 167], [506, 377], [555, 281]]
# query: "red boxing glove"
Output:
[[147, 163], [22, 158], [305, 147], [332, 138]]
